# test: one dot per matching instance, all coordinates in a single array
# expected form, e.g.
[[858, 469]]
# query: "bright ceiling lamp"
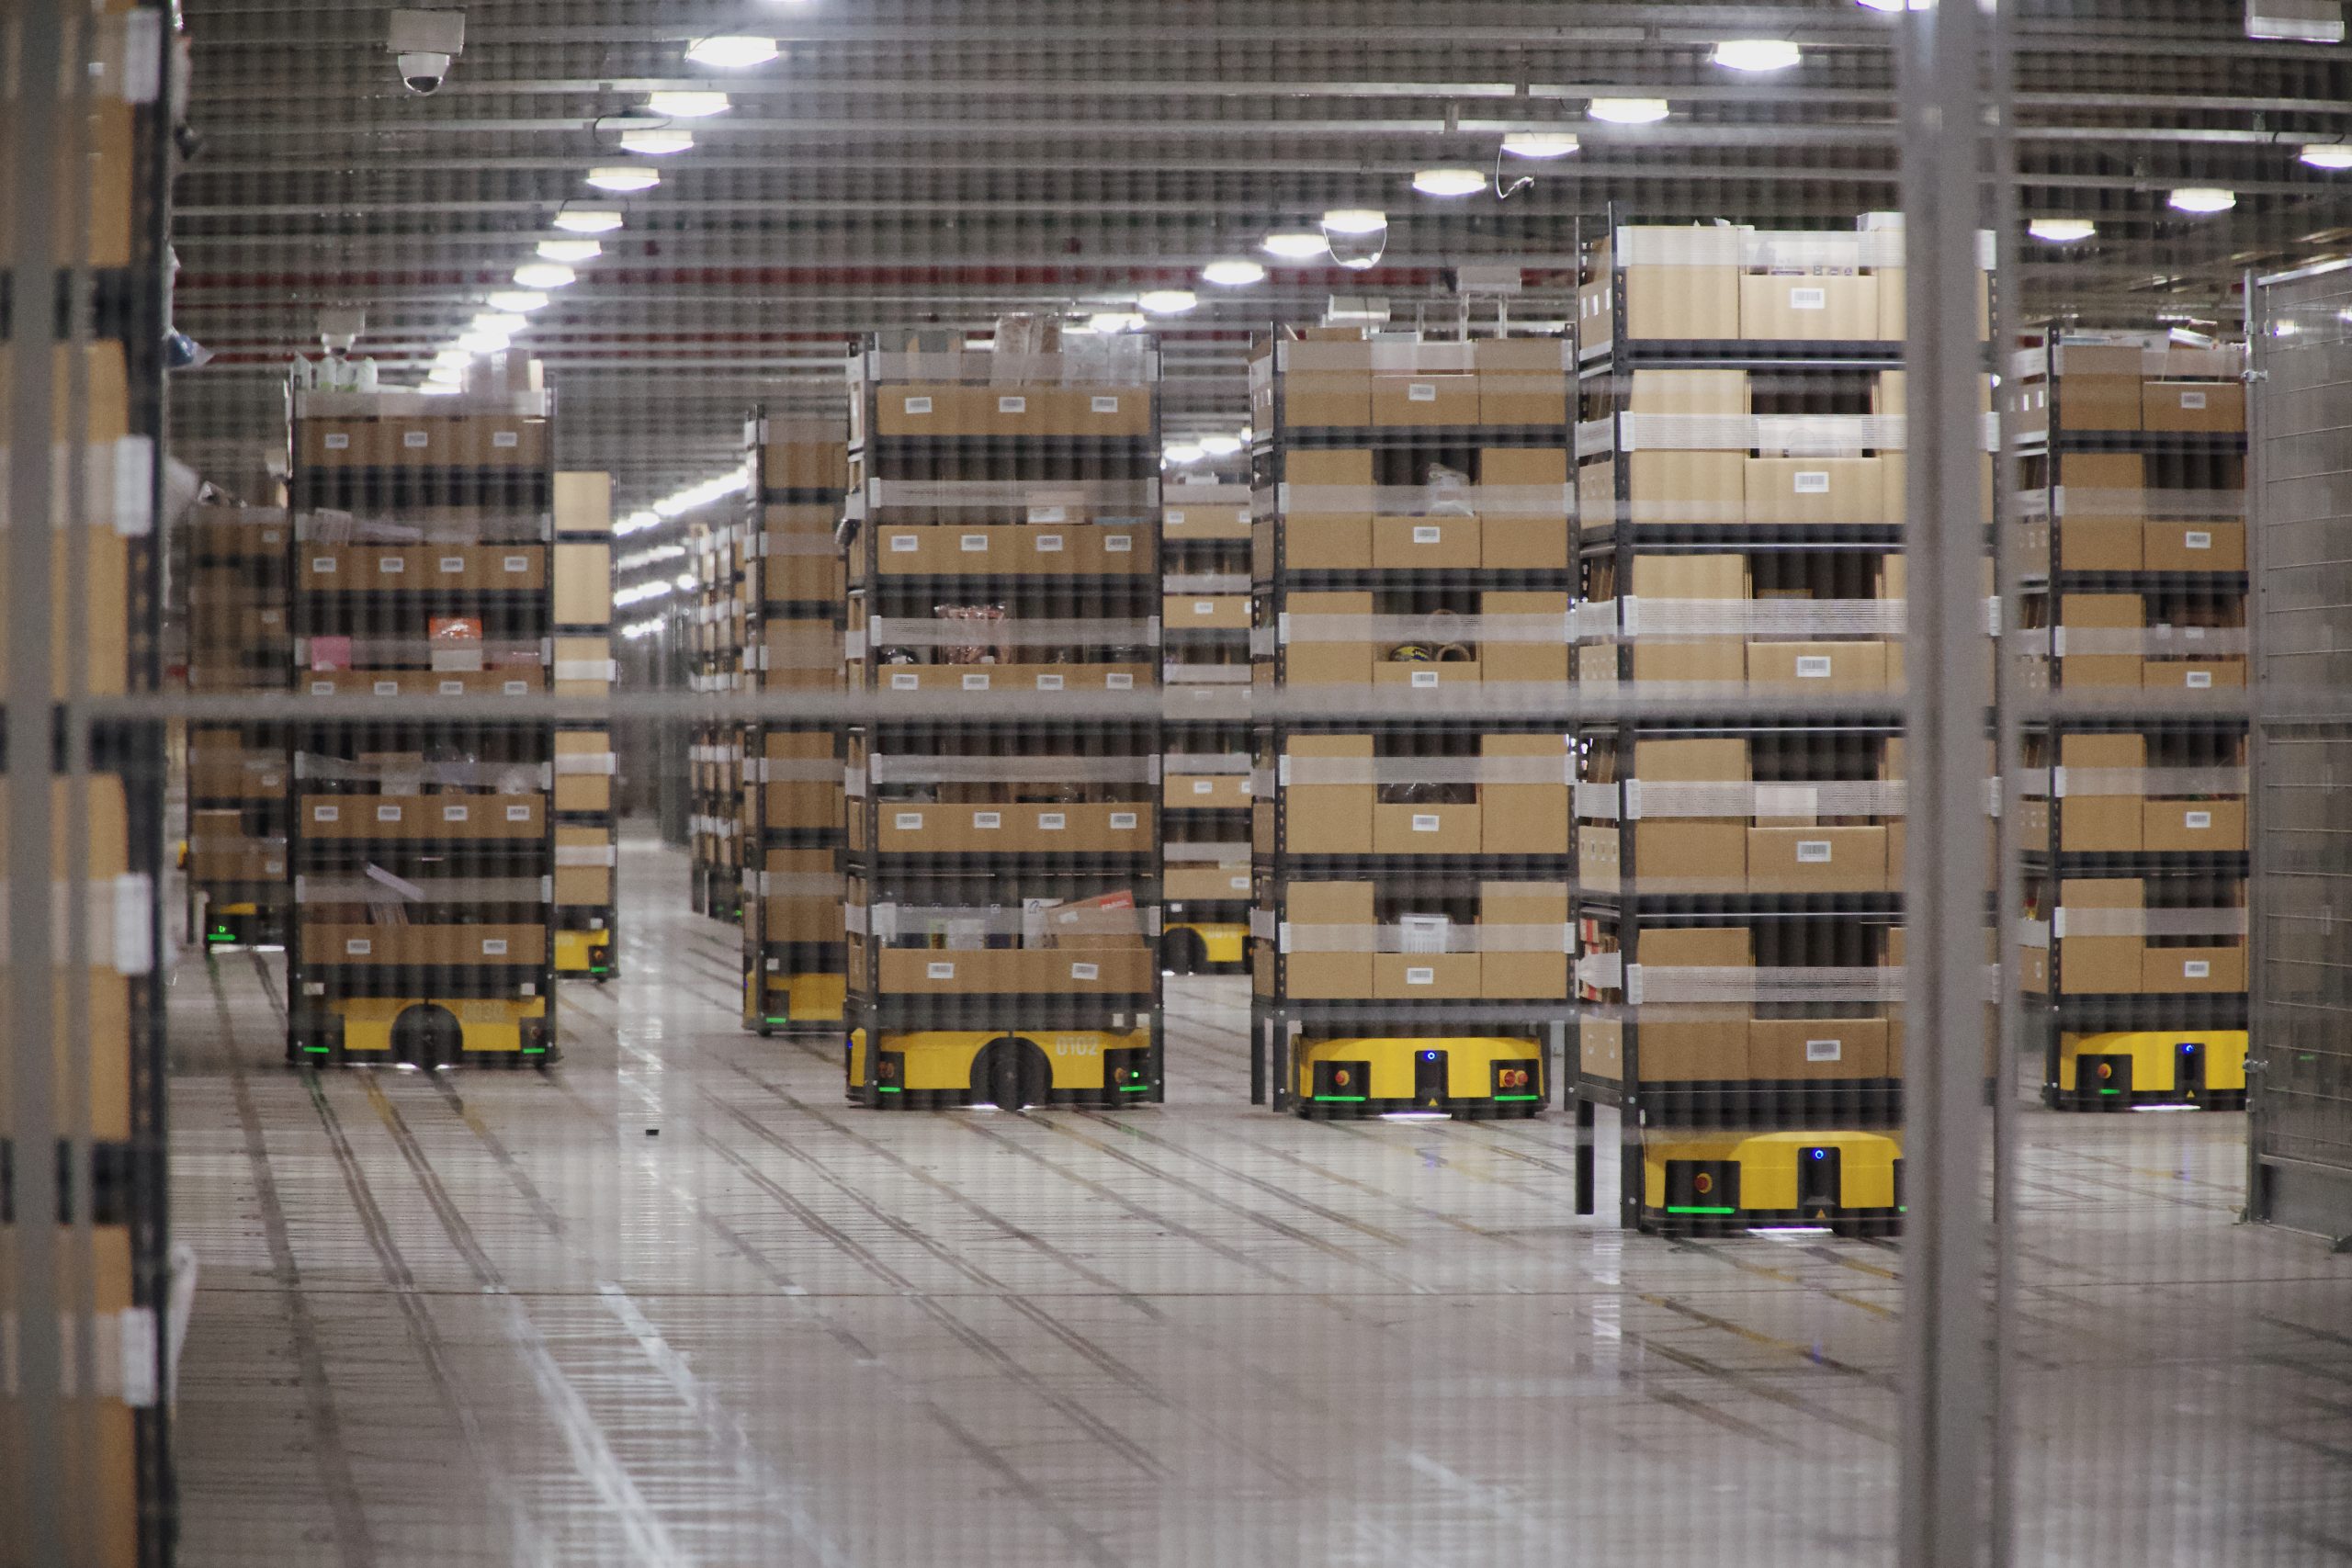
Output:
[[1112, 322], [588, 219], [1294, 246], [1356, 236], [1220, 446], [518, 299], [1236, 273], [656, 142], [624, 178], [2328, 155], [1756, 54], [1354, 221], [2201, 200], [1183, 452], [544, 275], [687, 105], [481, 343], [732, 51], [1628, 111], [1448, 182], [1167, 301], [1539, 143], [570, 251], [506, 322], [2062, 231]]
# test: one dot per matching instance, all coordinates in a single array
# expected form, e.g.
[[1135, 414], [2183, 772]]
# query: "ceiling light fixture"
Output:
[[506, 324], [570, 251], [1235, 273], [2328, 155], [1220, 446], [2201, 200], [1756, 54], [732, 51], [656, 143], [624, 178], [519, 300], [1167, 301], [1292, 246], [1539, 143], [1182, 452], [2062, 231], [1354, 221], [1449, 181], [1356, 236], [687, 105], [1628, 111], [481, 343], [544, 275], [588, 219]]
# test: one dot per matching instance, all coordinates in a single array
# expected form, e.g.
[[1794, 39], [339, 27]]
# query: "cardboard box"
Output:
[[1680, 282], [2195, 547], [1220, 612], [1819, 306], [1779, 1049], [1716, 660], [1688, 486], [1326, 531], [1520, 661], [2191, 674], [2209, 406], [1189, 883], [1183, 520], [1894, 285], [1820, 666], [2212, 825], [1342, 976], [498, 441], [928, 409], [1427, 829], [1328, 819], [2100, 543], [1601, 1047], [583, 586], [1816, 860], [1598, 865], [583, 871], [2101, 611], [1525, 819], [1419, 397], [1689, 856], [1685, 1043], [2091, 400], [1205, 792], [2193, 970], [820, 465], [1314, 662], [1509, 963], [801, 897], [1522, 381], [1816, 490], [2095, 965], [1418, 977], [1517, 535], [1722, 394], [1412, 543]]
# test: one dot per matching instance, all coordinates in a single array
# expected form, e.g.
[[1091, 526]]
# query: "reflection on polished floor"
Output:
[[675, 1303]]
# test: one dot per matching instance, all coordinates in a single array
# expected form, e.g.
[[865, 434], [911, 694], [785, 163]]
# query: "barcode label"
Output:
[[1052, 821], [1118, 683], [516, 688], [338, 441], [1174, 518], [976, 683], [1422, 977], [1204, 786], [1427, 533], [323, 565], [518, 563], [415, 440], [391, 566], [357, 947], [1104, 405], [325, 813], [1047, 544], [453, 563], [2196, 969], [1420, 392], [1812, 666], [387, 688], [453, 688], [905, 543], [974, 543], [1812, 481], [2197, 820], [493, 947], [323, 688], [518, 814], [387, 814], [1424, 677], [456, 813], [1118, 544], [985, 819], [1123, 821], [907, 821], [505, 438], [1824, 1050], [1049, 682], [1808, 298], [903, 683], [1426, 821], [2192, 400], [1013, 405], [920, 405], [939, 971], [1813, 852], [2200, 680], [1086, 972], [2195, 539]]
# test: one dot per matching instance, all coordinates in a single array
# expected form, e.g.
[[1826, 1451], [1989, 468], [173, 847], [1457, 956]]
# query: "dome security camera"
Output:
[[424, 44]]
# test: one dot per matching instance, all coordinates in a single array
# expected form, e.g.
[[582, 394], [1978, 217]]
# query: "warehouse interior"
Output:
[[860, 782]]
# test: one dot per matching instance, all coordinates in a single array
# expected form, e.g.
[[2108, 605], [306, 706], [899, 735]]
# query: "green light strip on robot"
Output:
[[1509, 1097], [1134, 1089], [1673, 1209], [1342, 1099]]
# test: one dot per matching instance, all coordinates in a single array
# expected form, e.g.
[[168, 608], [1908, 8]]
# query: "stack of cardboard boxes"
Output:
[[238, 641], [720, 661], [587, 833], [790, 818], [1001, 855], [1204, 618]]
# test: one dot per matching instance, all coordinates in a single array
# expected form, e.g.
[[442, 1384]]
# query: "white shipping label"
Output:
[[976, 683], [907, 821], [1813, 299], [1118, 544], [986, 820], [323, 565], [325, 813], [1812, 666], [387, 814], [1103, 404], [1123, 821], [1240, 884], [905, 543], [1204, 607], [391, 566], [493, 947], [1426, 821], [453, 563], [516, 689], [415, 440], [1047, 544], [518, 563], [1049, 682], [2196, 969], [939, 971], [456, 813], [1174, 518], [1204, 786], [918, 405], [1053, 821], [2192, 400], [902, 682], [1117, 683], [1428, 534], [2195, 539], [357, 947], [386, 688], [1424, 677], [323, 688], [1825, 1050], [1013, 405], [1813, 852], [338, 441], [1086, 972], [1420, 392], [505, 438], [1420, 976], [974, 543], [2197, 820], [2200, 680], [1812, 481], [518, 814]]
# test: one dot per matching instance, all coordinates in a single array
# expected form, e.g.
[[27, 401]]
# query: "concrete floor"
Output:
[[489, 1317]]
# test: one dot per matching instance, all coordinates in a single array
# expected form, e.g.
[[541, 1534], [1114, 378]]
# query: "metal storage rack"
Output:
[[587, 841], [1002, 853], [1737, 953], [1204, 624], [1410, 505], [2132, 462], [714, 753], [790, 833], [239, 641], [422, 844], [97, 1198]]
